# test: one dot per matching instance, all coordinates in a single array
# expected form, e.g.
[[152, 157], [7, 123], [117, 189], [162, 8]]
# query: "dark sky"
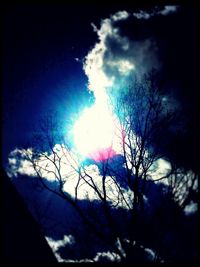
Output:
[[40, 44]]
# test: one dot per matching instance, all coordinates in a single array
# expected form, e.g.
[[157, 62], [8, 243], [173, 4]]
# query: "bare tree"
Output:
[[142, 116], [49, 159]]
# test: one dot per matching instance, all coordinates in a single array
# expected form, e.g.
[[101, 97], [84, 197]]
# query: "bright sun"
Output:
[[94, 131]]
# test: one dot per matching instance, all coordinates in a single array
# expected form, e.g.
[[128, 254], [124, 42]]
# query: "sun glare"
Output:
[[94, 131]]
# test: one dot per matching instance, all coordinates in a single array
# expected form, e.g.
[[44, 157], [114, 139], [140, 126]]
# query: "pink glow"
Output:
[[102, 155]]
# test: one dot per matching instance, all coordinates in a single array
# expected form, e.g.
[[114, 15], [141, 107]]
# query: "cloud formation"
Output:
[[119, 52], [132, 44], [48, 164], [55, 245], [165, 11]]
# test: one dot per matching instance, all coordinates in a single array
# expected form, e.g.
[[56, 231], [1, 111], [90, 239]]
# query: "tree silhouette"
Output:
[[120, 184]]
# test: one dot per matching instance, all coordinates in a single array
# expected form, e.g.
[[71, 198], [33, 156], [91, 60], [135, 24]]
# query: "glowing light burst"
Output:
[[94, 132]]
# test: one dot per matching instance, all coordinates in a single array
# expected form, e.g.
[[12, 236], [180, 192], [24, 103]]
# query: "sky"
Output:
[[40, 70], [49, 50], [43, 49], [66, 59]]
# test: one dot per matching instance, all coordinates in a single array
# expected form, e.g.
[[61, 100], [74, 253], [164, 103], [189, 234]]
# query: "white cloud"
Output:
[[100, 257], [107, 257], [191, 208], [68, 166], [18, 163], [142, 15], [168, 9], [69, 240], [26, 168], [165, 11], [120, 15], [98, 79], [159, 169], [12, 161], [115, 56], [57, 244], [124, 66], [93, 68], [94, 27]]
